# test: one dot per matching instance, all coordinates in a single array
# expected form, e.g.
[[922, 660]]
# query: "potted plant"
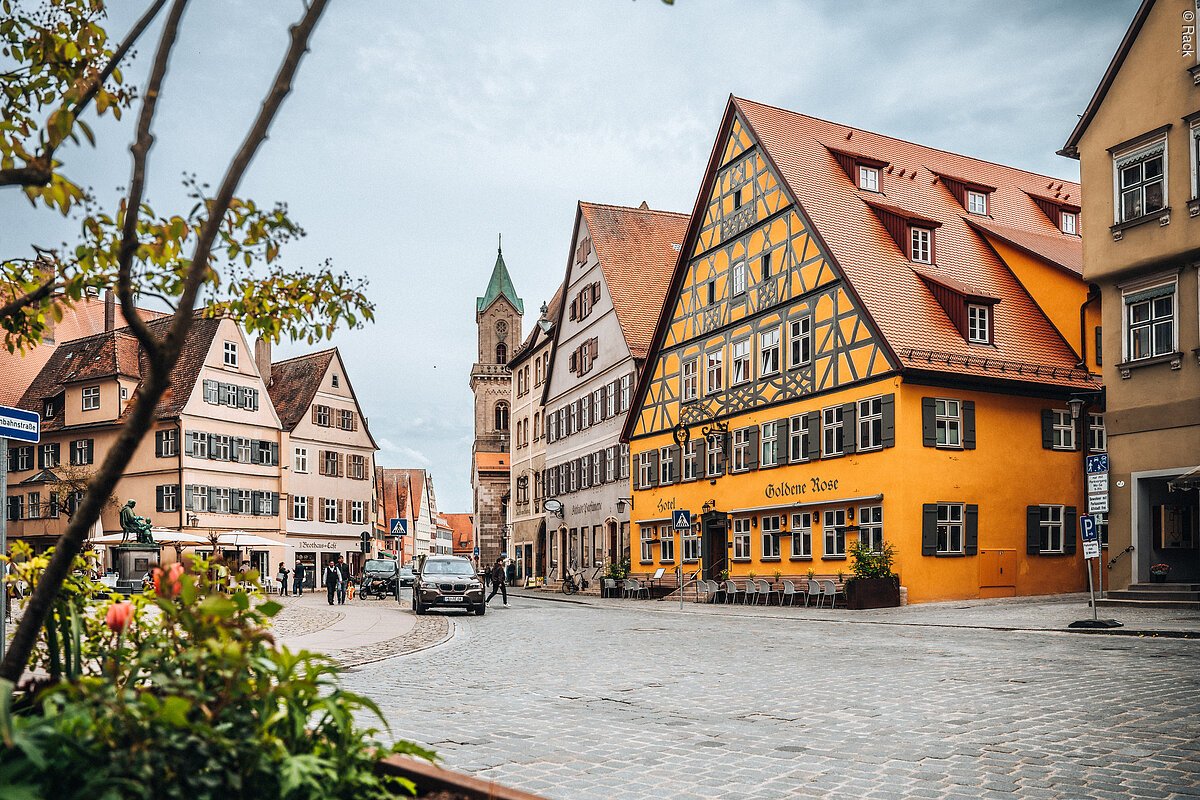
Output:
[[723, 575], [810, 573], [775, 576], [1159, 572], [872, 584]]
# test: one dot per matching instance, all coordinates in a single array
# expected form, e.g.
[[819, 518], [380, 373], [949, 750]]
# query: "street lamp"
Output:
[[622, 502]]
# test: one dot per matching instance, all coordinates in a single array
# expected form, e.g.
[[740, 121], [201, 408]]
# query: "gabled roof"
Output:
[[1070, 149], [463, 526], [637, 249], [499, 285], [391, 487], [540, 331], [294, 384], [1057, 250], [117, 354]]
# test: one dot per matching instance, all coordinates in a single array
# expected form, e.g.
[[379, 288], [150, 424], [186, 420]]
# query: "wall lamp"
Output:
[[622, 502]]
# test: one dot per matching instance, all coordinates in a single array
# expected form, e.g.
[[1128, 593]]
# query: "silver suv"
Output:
[[447, 582]]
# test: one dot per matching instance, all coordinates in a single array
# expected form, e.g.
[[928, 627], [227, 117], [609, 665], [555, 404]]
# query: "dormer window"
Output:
[[977, 202], [1068, 222], [91, 398], [51, 406], [921, 245], [868, 178], [979, 324], [231, 354]]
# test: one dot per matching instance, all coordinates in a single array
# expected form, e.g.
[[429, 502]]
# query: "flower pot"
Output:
[[1157, 578], [873, 593], [433, 780]]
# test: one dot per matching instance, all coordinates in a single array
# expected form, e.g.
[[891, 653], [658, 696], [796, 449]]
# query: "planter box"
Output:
[[433, 781], [873, 593]]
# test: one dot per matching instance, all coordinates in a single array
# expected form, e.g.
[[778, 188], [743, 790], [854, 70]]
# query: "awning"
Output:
[[1186, 482], [241, 539]]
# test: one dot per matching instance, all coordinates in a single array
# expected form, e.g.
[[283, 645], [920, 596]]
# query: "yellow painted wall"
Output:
[[1006, 472]]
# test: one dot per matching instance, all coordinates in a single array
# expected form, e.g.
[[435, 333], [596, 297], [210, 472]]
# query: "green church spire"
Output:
[[500, 285]]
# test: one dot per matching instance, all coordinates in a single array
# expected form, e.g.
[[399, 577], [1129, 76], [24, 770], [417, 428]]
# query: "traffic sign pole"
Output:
[[4, 543]]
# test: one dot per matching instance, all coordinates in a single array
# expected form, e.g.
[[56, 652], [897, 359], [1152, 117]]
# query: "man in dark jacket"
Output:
[[333, 576], [497, 576], [344, 583], [298, 578]]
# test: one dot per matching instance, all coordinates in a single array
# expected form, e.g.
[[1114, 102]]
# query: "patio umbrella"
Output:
[[161, 536], [240, 539]]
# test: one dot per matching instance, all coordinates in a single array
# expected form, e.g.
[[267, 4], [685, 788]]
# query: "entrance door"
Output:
[[540, 563], [714, 533], [614, 544]]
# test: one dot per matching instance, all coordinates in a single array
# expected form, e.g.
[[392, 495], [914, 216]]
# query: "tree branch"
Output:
[[144, 406], [17, 304]]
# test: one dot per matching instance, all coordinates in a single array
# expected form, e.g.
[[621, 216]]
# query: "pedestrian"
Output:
[[497, 574], [333, 577], [281, 575], [298, 579], [343, 580]]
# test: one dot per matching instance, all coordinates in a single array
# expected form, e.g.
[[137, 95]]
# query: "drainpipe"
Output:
[[1092, 296]]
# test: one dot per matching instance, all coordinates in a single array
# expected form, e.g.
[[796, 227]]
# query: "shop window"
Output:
[[666, 544], [741, 539], [802, 534], [835, 533]]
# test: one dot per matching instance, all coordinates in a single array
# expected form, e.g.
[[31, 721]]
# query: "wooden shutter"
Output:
[[888, 406], [596, 292], [1033, 530], [594, 345], [189, 501], [849, 429], [653, 457], [929, 540], [310, 508], [968, 417], [353, 421], [928, 422], [572, 363], [1047, 429], [753, 436], [1070, 523], [341, 511], [341, 465], [971, 530], [812, 445], [274, 453], [291, 510], [158, 498], [314, 415], [320, 515], [574, 312]]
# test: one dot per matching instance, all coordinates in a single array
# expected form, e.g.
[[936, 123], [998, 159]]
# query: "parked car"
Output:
[[447, 582], [380, 578], [407, 576]]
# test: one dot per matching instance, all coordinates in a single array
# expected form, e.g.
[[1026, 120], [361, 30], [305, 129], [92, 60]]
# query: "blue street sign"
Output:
[[1087, 528], [398, 526], [477, 552], [1097, 464], [681, 520], [21, 426]]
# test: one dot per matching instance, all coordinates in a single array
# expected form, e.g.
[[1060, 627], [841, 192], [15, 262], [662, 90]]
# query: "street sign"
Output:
[[1087, 528], [1097, 483], [1097, 504], [1096, 464], [681, 520], [398, 526], [20, 425], [477, 552], [1091, 550]]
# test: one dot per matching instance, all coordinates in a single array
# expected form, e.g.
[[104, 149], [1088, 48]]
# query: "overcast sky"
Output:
[[417, 131]]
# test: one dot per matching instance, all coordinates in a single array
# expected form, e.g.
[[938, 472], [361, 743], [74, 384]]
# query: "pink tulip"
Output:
[[174, 573], [119, 615]]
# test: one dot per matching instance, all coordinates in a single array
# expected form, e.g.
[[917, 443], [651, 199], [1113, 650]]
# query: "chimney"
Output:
[[110, 311], [262, 358]]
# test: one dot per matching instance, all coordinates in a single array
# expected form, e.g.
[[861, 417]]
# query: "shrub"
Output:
[[184, 694], [869, 563]]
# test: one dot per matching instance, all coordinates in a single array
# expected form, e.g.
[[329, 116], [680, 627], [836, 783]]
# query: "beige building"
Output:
[[526, 518], [329, 461], [1138, 143], [210, 464]]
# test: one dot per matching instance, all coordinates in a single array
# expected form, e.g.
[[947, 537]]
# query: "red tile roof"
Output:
[[295, 382], [391, 490], [463, 526], [895, 296], [492, 462], [637, 249]]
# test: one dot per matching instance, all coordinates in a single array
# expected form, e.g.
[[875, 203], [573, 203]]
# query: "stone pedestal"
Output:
[[132, 561]]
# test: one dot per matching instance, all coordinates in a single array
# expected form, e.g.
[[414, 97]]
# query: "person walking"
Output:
[[497, 575], [281, 575], [343, 580], [333, 576], [298, 579]]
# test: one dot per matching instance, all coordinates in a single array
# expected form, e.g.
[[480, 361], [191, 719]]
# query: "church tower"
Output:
[[498, 326]]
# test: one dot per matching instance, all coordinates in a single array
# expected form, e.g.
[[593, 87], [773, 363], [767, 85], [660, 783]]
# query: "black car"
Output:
[[407, 576], [447, 582], [380, 578]]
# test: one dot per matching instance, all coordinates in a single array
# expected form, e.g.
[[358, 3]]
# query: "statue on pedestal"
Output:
[[132, 523]]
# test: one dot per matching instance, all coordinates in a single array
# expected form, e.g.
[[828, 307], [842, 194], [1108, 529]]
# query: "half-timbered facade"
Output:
[[864, 339]]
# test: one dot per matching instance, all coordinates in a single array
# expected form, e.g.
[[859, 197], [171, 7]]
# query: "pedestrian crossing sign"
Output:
[[681, 520], [398, 526]]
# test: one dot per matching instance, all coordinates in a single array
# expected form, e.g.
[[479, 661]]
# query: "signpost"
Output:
[[1095, 467], [1090, 537], [20, 426], [398, 526], [681, 520]]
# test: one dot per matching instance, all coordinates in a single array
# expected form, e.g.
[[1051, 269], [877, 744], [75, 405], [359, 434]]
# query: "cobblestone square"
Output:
[[580, 701]]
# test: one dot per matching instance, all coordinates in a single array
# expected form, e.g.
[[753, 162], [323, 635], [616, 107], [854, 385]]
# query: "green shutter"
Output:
[[929, 529], [971, 530], [1070, 526], [929, 422], [1033, 530], [968, 412]]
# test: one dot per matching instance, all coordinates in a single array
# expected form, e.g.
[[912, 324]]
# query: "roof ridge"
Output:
[[306, 355], [903, 141], [634, 209]]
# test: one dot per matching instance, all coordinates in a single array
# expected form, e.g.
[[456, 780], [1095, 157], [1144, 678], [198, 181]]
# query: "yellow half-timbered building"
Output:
[[867, 338]]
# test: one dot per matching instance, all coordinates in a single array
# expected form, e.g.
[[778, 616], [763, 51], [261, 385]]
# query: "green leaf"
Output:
[[6, 697], [174, 711], [270, 608], [216, 605]]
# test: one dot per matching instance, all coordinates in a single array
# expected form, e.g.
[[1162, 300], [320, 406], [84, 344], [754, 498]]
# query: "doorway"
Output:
[[714, 533], [540, 563]]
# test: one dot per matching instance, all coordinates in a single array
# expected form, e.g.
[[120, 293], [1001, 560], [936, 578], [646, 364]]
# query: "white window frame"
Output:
[[1063, 428], [1097, 434], [665, 463], [769, 527], [712, 457], [741, 539], [948, 423], [870, 423], [768, 444], [739, 362], [170, 498], [1139, 154], [920, 241], [834, 527], [977, 202], [802, 534], [329, 511], [1194, 148], [870, 527], [690, 541], [1068, 222], [951, 529], [299, 507], [666, 544], [1052, 535], [800, 342], [738, 280], [220, 499], [798, 436], [200, 499], [245, 501], [768, 352], [979, 324], [714, 376], [1162, 290], [230, 358], [91, 398], [689, 379], [832, 432], [358, 509], [647, 548], [868, 178], [689, 470], [610, 464], [645, 469], [741, 450], [626, 389]]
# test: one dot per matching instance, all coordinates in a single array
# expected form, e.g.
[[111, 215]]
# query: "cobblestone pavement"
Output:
[[580, 701], [297, 620]]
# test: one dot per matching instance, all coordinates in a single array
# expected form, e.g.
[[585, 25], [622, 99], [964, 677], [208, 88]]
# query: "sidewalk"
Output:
[[1044, 613]]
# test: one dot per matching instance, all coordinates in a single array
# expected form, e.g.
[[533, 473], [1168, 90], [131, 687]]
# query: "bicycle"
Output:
[[573, 582]]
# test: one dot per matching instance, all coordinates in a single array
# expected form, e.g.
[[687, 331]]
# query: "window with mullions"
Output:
[[691, 461], [231, 354], [714, 377], [739, 278], [688, 380], [741, 450], [870, 423], [1063, 430], [1141, 182], [712, 456], [666, 544], [835, 532], [647, 551], [979, 324], [948, 422], [976, 202], [868, 178], [645, 469], [950, 528], [691, 544], [802, 534], [870, 527], [741, 539], [1051, 528], [921, 250], [800, 342], [798, 438], [832, 433], [768, 352], [1097, 435], [91, 398], [739, 362], [245, 504], [1068, 222], [1150, 323], [666, 466], [770, 536], [769, 438]]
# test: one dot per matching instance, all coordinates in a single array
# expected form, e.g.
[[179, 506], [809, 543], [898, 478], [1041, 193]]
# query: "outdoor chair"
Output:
[[633, 587], [731, 592], [813, 593], [608, 587], [715, 588], [750, 593], [702, 588], [764, 591], [829, 589], [789, 593]]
